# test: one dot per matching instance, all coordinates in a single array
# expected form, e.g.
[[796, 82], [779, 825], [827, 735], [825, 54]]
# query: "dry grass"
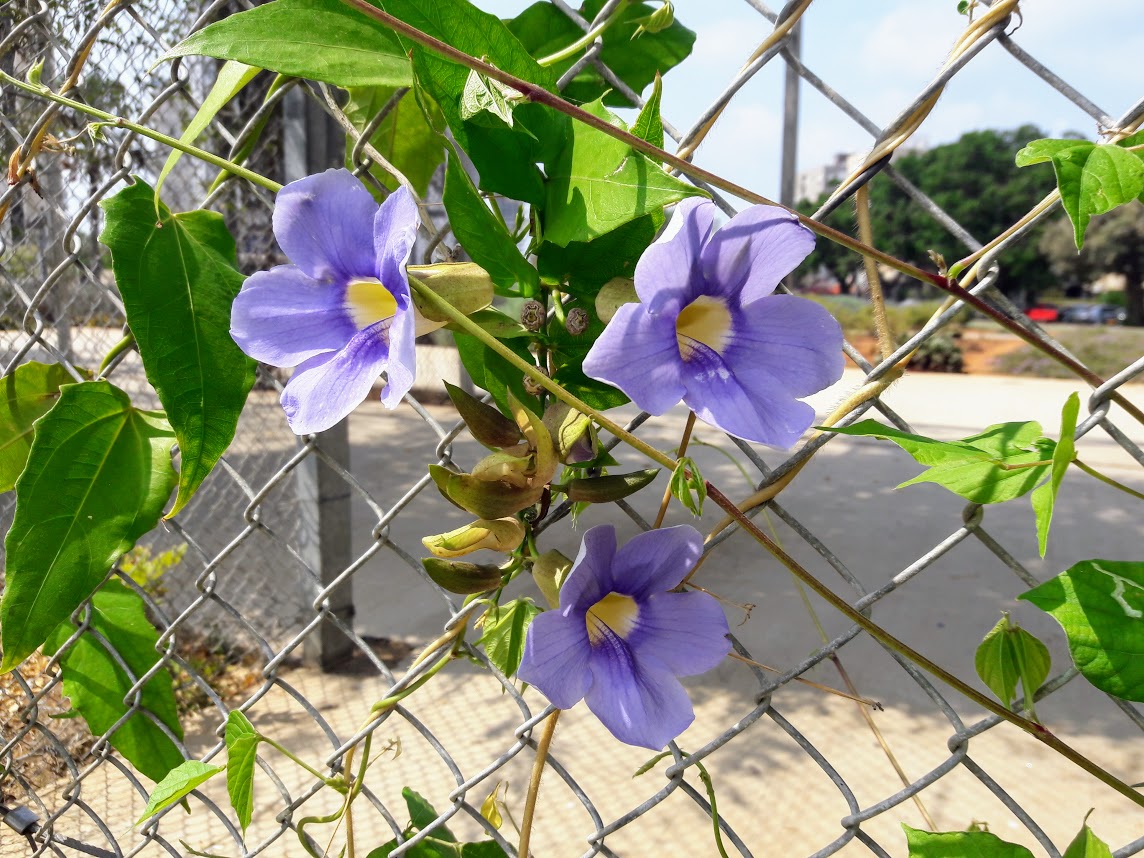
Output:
[[1105, 350]]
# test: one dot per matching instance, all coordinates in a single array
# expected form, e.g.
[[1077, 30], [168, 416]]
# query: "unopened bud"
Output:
[[531, 386], [657, 21], [532, 315], [577, 321]]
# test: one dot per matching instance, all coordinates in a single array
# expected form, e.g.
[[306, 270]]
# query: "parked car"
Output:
[[1093, 314], [1044, 313]]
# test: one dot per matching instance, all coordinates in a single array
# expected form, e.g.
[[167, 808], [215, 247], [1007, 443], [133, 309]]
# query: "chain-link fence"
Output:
[[309, 548]]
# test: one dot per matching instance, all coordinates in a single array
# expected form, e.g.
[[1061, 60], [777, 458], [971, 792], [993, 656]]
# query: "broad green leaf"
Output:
[[322, 40], [505, 158], [254, 136], [585, 266], [1087, 845], [1007, 654], [688, 485], [178, 784], [961, 844], [232, 78], [242, 754], [97, 685], [26, 394], [505, 627], [1100, 605], [598, 183], [979, 468], [1093, 178], [178, 278], [483, 234], [482, 849], [1044, 498], [544, 30], [404, 138], [489, 371], [500, 325], [98, 475]]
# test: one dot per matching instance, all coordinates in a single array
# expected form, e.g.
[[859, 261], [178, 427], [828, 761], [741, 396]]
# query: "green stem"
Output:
[[884, 637], [158, 137], [328, 781], [1108, 481], [116, 350], [1005, 466], [585, 40], [709, 785], [534, 783], [473, 329], [540, 95], [387, 703]]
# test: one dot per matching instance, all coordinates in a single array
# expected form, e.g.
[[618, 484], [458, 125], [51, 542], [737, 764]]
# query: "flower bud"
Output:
[[489, 500], [465, 285], [532, 315], [460, 577], [503, 534], [571, 433], [614, 294], [549, 571], [577, 321], [657, 21]]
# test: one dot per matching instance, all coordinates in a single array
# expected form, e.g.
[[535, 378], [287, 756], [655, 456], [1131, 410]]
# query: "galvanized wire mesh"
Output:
[[266, 527]]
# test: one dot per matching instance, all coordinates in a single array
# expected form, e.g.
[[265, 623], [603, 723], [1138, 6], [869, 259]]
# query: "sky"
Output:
[[879, 55]]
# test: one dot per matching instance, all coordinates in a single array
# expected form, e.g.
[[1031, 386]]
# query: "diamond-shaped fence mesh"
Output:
[[303, 554]]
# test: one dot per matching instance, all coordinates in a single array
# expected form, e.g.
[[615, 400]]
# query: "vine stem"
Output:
[[540, 95], [585, 40], [838, 603], [144, 131], [1108, 481], [534, 783], [884, 637], [687, 427]]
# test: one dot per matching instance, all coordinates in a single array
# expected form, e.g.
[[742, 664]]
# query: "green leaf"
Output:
[[405, 137], [1087, 845], [322, 40], [505, 158], [599, 183], [483, 235], [1093, 178], [587, 265], [178, 784], [566, 354], [1044, 498], [1007, 654], [232, 78], [178, 278], [422, 814], [489, 371], [978, 468], [485, 100], [505, 627], [97, 685], [482, 849], [649, 124], [1100, 605], [499, 325], [242, 754], [688, 485], [98, 475], [28, 393], [961, 844], [254, 136], [544, 29]]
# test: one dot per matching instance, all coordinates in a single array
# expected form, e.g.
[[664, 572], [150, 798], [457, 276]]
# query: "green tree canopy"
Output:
[[976, 181]]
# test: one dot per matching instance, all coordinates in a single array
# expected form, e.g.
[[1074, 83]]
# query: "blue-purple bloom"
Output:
[[620, 639], [341, 312], [709, 330]]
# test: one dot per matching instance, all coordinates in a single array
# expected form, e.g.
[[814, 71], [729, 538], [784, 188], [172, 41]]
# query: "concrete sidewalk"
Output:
[[772, 792]]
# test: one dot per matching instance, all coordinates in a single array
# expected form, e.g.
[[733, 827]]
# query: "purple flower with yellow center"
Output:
[[709, 330], [341, 312], [620, 638]]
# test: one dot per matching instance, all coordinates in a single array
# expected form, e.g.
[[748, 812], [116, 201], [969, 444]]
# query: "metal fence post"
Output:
[[311, 143]]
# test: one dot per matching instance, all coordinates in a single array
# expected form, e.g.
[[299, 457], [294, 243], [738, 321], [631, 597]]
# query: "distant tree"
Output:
[[977, 183], [1114, 244]]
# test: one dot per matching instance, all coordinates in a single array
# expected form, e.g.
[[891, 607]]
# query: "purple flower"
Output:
[[341, 313], [709, 331], [620, 638]]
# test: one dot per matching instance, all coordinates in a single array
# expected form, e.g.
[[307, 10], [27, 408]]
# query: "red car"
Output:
[[1044, 313]]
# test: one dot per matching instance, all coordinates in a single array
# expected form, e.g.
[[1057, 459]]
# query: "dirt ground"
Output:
[[980, 348]]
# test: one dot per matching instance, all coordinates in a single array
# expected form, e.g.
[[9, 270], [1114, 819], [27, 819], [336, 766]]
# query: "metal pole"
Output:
[[790, 122], [311, 143]]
